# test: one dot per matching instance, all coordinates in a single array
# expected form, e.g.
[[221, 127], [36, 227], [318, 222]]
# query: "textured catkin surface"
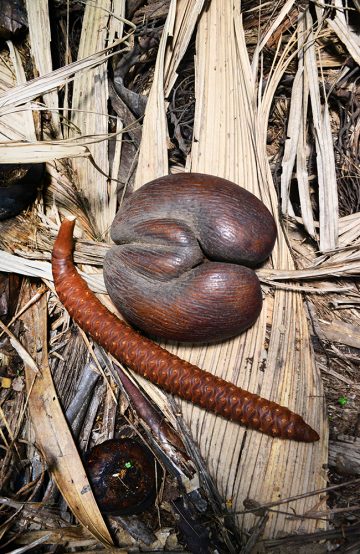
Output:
[[160, 366]]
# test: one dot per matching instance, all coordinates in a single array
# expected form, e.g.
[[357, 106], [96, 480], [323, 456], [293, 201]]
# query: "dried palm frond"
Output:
[[242, 61]]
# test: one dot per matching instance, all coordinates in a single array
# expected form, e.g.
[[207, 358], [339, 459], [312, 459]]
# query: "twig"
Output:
[[331, 534], [32, 301], [79, 405], [297, 497], [23, 353], [31, 545], [257, 530]]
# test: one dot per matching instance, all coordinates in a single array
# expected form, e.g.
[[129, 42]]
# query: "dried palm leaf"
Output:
[[89, 102], [296, 142], [153, 158], [237, 147], [38, 17], [21, 94], [341, 27], [325, 160]]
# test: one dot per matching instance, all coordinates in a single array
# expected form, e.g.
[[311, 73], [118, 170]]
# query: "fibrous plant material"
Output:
[[272, 358]]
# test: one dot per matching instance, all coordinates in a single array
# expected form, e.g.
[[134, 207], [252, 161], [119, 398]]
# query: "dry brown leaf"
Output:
[[53, 436]]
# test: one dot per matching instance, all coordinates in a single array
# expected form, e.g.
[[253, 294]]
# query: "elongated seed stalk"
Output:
[[160, 366]]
